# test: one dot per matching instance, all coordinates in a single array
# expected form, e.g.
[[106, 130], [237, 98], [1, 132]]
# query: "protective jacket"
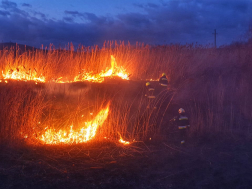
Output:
[[182, 121], [149, 91], [163, 81]]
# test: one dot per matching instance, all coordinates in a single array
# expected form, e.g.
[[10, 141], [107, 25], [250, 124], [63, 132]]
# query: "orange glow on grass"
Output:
[[21, 73], [114, 71], [84, 134], [123, 141]]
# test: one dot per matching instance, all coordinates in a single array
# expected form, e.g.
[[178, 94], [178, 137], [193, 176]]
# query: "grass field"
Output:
[[212, 85]]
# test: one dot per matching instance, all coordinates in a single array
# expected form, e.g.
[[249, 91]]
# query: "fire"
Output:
[[112, 72], [84, 134], [21, 73], [123, 141]]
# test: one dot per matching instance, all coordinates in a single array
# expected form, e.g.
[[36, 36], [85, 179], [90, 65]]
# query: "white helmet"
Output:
[[181, 110]]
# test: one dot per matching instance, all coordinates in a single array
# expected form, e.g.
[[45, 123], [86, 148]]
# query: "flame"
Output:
[[112, 72], [20, 73], [123, 141], [84, 134]]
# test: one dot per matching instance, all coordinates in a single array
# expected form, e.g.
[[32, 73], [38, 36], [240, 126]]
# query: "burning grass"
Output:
[[70, 136], [207, 82], [212, 85]]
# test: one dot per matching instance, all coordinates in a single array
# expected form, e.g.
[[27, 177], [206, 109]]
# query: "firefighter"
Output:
[[163, 81], [149, 90], [182, 121], [149, 93]]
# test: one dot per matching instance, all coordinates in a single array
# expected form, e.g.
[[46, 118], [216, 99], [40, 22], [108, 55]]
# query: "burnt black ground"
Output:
[[205, 162]]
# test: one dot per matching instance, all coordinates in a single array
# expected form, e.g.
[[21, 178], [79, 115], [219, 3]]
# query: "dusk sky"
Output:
[[156, 22]]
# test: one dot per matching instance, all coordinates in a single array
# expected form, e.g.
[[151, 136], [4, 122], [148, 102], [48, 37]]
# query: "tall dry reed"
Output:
[[213, 85]]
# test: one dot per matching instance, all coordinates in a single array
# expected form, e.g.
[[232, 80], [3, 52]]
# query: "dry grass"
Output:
[[213, 85]]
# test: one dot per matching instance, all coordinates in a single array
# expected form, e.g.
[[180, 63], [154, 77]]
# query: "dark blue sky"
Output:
[[157, 22]]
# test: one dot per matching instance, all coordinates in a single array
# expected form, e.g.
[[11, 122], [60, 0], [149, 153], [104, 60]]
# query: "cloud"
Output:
[[159, 23], [26, 5], [9, 5], [135, 20], [4, 13], [152, 5], [12, 8], [68, 19], [138, 5], [196, 19], [73, 13], [42, 15], [87, 17]]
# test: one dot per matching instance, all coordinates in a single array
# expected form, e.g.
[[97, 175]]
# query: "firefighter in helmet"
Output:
[[149, 90], [182, 121], [149, 93], [163, 81]]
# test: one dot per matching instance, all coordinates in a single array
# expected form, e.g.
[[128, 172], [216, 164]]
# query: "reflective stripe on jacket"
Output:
[[182, 127], [149, 91], [163, 80], [183, 120]]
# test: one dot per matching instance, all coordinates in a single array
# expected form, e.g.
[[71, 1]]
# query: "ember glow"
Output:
[[84, 134], [114, 71], [123, 141], [21, 73]]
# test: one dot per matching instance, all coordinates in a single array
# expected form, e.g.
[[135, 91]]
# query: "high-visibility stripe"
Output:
[[163, 79], [183, 118], [165, 85], [151, 89], [182, 127], [151, 97]]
